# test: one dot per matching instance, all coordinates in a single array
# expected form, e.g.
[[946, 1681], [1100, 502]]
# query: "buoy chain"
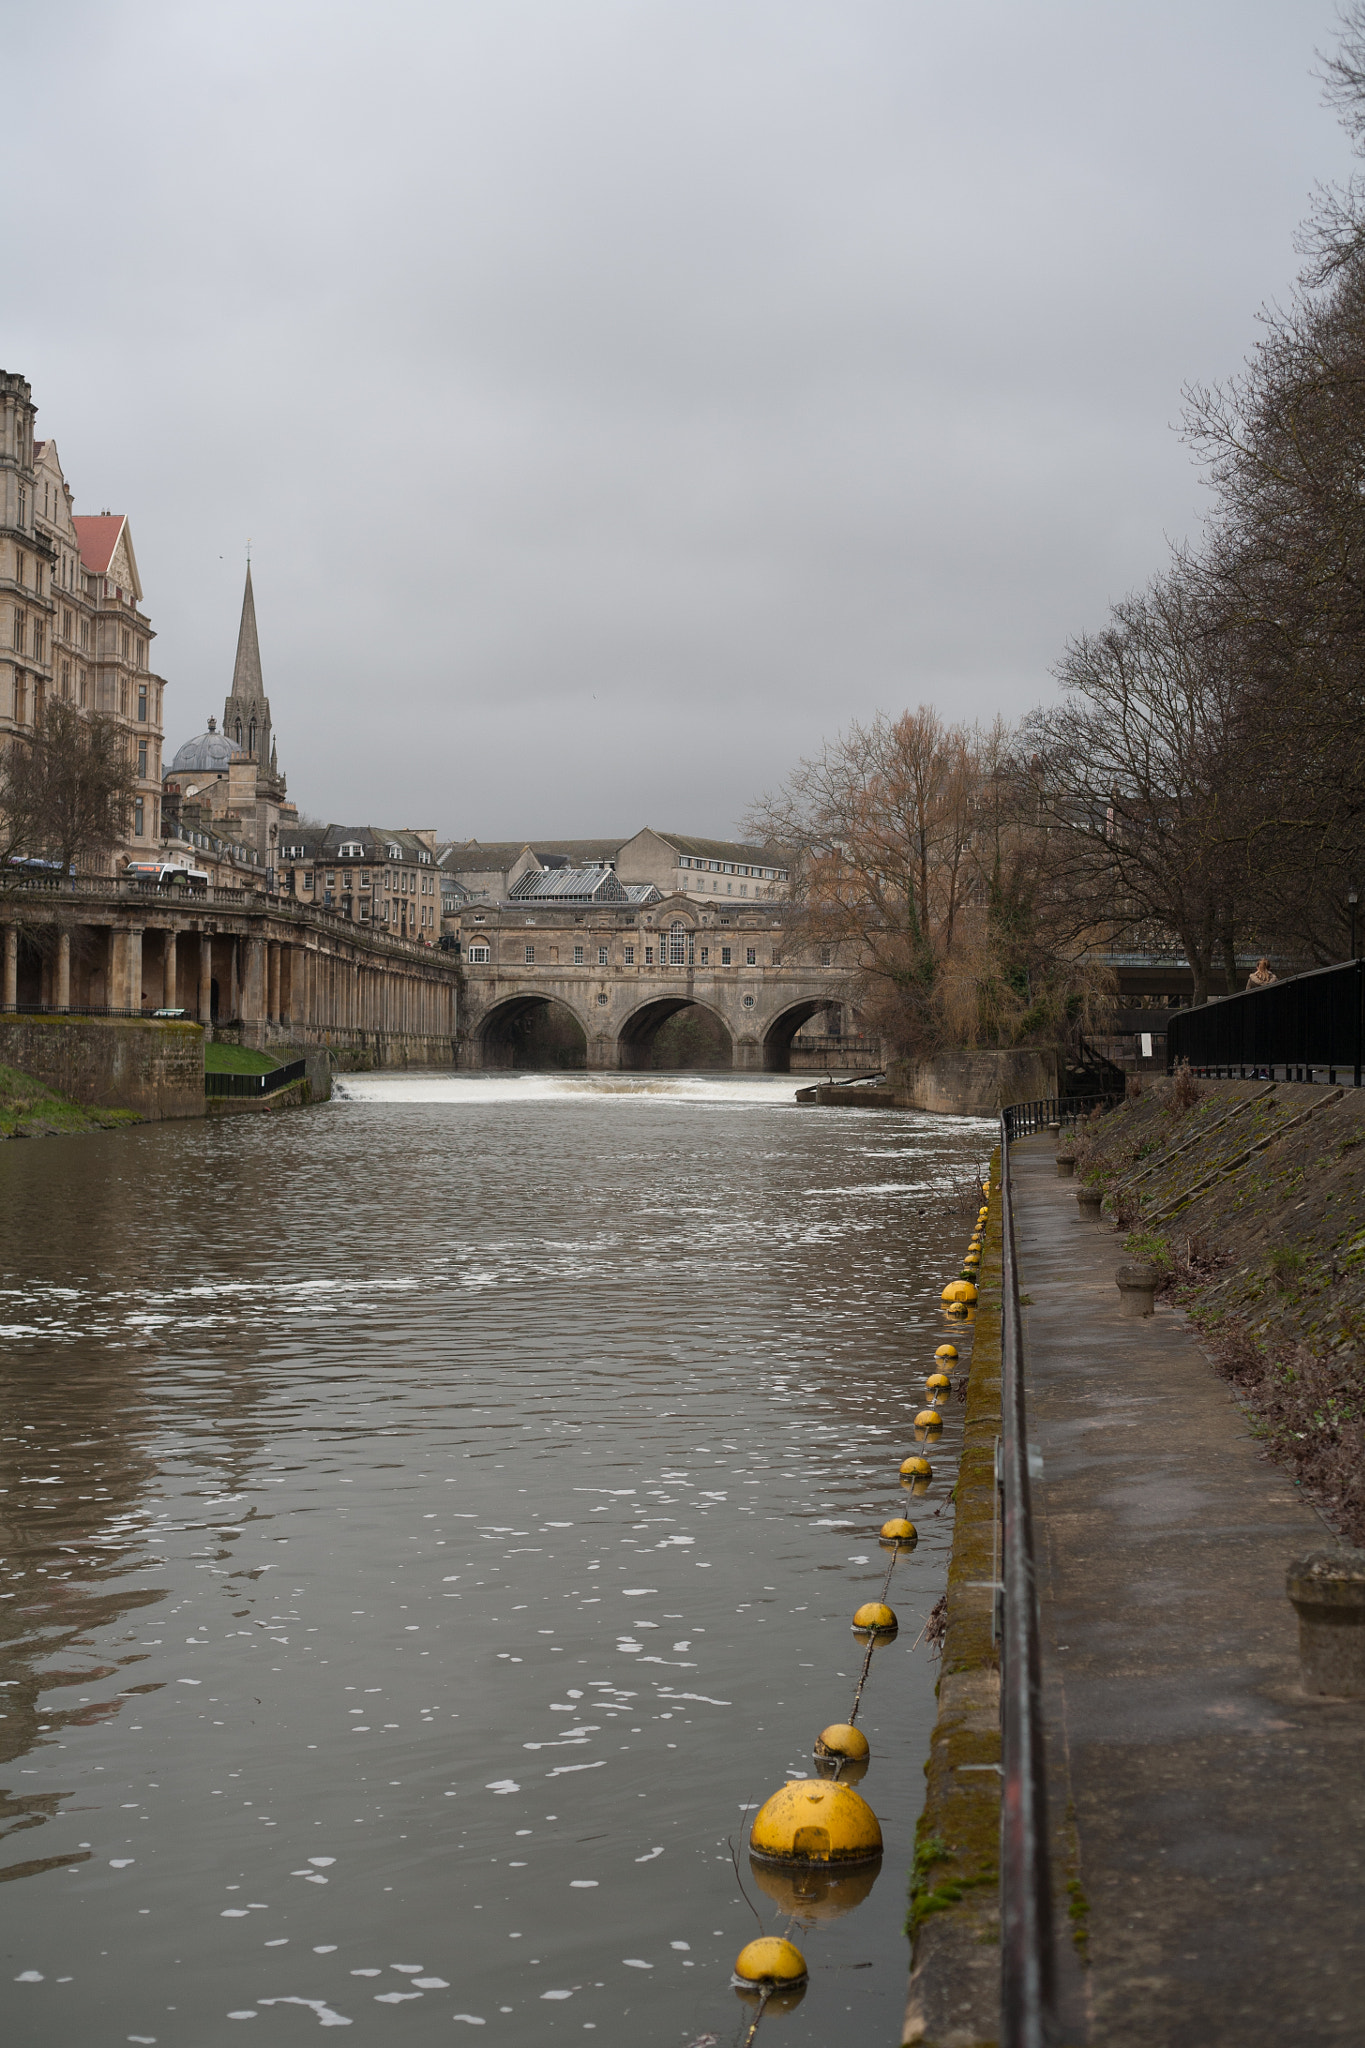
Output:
[[879, 1624]]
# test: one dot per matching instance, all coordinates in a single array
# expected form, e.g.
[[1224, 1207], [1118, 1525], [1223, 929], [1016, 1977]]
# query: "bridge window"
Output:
[[630, 956], [725, 956], [826, 956], [603, 957], [680, 943], [751, 956], [478, 954], [530, 956], [705, 955], [649, 956], [578, 956]]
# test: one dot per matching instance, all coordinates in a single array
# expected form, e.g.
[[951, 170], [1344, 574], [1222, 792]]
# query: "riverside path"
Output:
[[1208, 1816]]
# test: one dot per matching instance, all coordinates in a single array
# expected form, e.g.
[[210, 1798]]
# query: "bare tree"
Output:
[[919, 869]]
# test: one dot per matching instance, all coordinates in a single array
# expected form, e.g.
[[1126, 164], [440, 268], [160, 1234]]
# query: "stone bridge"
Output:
[[619, 1007]]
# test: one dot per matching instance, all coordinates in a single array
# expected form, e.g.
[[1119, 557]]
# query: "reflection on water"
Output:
[[431, 1524]]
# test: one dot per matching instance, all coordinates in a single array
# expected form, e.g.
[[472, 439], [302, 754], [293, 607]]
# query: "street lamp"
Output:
[[1353, 897]]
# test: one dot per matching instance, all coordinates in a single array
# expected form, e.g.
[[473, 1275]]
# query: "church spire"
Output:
[[246, 713], [246, 674]]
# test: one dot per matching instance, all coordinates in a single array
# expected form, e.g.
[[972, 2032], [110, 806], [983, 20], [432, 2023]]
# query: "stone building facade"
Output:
[[666, 861], [71, 617], [375, 876], [226, 783]]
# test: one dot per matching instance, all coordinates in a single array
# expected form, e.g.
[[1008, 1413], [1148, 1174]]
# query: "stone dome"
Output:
[[211, 750]]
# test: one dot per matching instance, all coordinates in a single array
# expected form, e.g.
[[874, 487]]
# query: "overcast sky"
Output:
[[621, 395]]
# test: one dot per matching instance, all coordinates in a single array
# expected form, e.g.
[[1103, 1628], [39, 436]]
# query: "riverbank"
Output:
[[30, 1109], [1200, 1802], [1249, 1198], [1206, 1813]]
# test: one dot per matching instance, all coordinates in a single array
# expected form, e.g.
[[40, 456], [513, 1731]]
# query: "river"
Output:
[[452, 1500]]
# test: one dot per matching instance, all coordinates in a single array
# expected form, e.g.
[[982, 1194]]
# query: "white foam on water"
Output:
[[485, 1090]]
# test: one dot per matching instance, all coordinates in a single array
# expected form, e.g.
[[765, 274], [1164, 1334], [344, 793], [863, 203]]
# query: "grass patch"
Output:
[[30, 1109], [243, 1059]]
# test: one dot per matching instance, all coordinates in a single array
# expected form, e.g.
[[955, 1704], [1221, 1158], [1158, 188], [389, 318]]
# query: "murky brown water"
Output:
[[429, 1523]]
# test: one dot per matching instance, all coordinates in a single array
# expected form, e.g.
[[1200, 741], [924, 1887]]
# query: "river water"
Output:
[[430, 1522]]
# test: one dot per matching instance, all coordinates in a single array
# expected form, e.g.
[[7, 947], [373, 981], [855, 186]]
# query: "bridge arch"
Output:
[[782, 1029], [532, 1030], [636, 1039]]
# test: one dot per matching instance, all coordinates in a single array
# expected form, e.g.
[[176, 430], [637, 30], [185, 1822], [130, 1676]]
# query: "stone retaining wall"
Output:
[[155, 1068]]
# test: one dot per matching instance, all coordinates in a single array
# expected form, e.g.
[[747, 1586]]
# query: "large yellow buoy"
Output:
[[842, 1739], [900, 1532], [938, 1383], [927, 1421], [959, 1290], [917, 1468], [815, 1820], [875, 1618], [770, 1960], [946, 1351]]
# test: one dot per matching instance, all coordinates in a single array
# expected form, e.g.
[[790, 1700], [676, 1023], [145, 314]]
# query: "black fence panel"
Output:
[[1309, 1025], [255, 1084]]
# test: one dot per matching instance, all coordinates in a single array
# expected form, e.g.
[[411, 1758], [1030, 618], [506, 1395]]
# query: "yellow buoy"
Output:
[[900, 1532], [946, 1351], [938, 1383], [917, 1468], [875, 1618], [928, 1419], [770, 1960], [957, 1308], [815, 1820], [843, 1739], [959, 1290]]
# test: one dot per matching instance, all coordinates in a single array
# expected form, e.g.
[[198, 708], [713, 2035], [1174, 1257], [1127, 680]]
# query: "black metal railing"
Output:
[[1027, 1988], [1309, 1027], [255, 1084], [1021, 1118]]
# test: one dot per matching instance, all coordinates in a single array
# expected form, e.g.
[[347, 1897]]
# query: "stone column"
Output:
[[63, 997], [170, 972], [234, 978], [272, 1000], [205, 977], [253, 983], [11, 966], [132, 987]]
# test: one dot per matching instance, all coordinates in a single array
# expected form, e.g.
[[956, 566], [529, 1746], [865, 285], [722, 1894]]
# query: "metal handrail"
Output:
[[1023, 1117], [1027, 1972]]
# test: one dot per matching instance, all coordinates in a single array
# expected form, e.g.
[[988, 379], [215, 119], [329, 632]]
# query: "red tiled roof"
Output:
[[98, 534]]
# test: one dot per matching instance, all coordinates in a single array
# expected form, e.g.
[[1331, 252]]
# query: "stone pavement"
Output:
[[1208, 1817]]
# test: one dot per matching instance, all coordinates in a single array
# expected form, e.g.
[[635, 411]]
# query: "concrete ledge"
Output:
[[954, 1922]]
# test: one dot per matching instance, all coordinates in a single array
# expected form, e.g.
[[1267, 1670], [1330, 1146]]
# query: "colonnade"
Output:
[[262, 981]]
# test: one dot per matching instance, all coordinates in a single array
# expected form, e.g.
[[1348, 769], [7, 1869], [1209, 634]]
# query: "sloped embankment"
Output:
[[1250, 1197]]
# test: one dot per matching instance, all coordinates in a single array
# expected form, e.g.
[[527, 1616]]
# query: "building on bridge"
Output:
[[720, 868]]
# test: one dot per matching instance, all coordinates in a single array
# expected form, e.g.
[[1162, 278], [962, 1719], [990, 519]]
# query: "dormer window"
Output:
[[351, 850], [395, 853]]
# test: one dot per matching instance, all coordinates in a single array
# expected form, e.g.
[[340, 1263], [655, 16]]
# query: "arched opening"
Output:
[[673, 1035], [777, 1046], [533, 1032]]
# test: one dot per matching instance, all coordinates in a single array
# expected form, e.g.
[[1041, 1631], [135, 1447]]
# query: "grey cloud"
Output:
[[620, 396]]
